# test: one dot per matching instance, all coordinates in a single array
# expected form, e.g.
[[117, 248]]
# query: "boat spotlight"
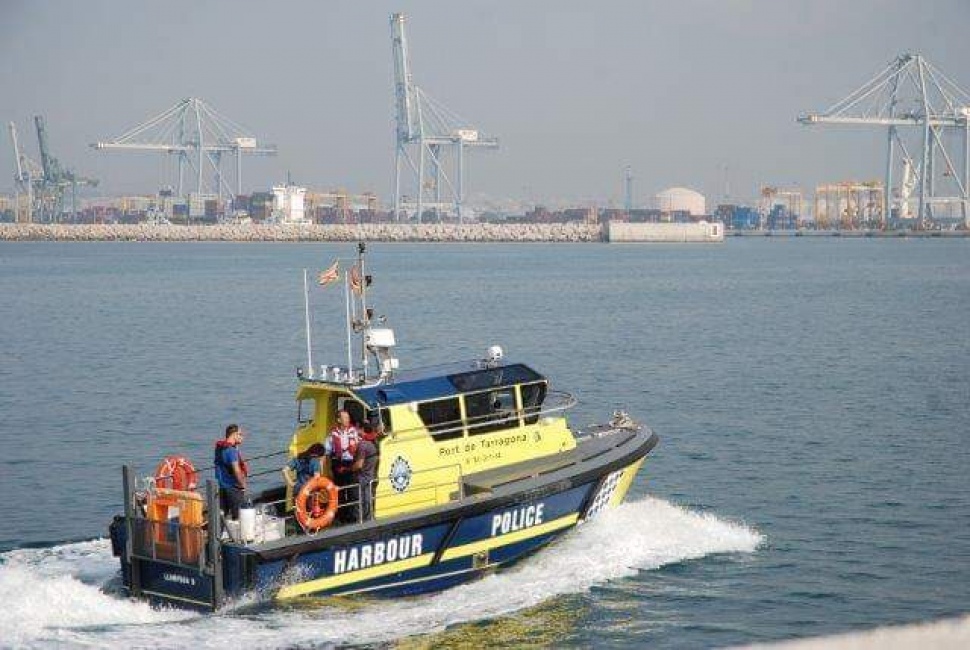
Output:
[[494, 354]]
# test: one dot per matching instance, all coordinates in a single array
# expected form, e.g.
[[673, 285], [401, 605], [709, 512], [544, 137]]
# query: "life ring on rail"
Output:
[[311, 514], [176, 473]]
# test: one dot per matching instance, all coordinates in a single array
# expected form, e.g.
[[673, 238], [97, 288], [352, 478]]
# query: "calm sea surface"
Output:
[[812, 398]]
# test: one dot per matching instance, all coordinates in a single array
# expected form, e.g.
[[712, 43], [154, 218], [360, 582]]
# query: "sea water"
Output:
[[811, 398]]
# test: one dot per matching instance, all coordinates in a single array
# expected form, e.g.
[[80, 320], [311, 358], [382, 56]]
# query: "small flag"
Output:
[[355, 284], [330, 275]]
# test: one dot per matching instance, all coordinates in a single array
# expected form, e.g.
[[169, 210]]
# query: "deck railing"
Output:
[[424, 490], [183, 530]]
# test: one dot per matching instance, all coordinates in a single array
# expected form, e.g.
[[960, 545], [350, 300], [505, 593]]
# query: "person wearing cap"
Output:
[[231, 471]]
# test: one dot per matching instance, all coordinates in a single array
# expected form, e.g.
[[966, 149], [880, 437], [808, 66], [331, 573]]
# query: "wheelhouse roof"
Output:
[[438, 382]]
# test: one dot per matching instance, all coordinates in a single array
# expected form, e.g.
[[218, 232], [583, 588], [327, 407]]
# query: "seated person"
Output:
[[306, 465]]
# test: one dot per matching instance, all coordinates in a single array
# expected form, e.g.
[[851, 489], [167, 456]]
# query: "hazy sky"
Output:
[[575, 91]]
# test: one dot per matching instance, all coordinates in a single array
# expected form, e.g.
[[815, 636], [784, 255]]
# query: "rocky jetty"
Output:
[[476, 232]]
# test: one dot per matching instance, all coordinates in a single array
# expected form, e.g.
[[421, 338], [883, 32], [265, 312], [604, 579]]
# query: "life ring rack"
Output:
[[311, 515], [176, 473]]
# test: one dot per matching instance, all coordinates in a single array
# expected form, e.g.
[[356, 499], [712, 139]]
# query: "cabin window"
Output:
[[532, 398], [491, 410], [442, 418], [305, 411], [467, 382]]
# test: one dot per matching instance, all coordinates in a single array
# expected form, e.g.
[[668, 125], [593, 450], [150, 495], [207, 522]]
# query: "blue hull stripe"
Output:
[[445, 574], [475, 546]]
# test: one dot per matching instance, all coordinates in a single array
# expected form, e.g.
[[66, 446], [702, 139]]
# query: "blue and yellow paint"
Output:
[[430, 558]]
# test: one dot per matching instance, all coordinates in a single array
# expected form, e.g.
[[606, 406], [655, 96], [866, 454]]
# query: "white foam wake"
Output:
[[53, 596], [50, 595]]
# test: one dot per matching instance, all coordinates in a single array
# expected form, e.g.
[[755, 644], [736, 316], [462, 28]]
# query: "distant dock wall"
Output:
[[617, 231]]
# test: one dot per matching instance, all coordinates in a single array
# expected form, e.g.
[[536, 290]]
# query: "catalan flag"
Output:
[[332, 274], [355, 280]]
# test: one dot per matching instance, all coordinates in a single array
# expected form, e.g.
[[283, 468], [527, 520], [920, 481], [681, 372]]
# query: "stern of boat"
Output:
[[170, 557]]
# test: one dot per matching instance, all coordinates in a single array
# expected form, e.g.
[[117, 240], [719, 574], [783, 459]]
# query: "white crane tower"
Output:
[[27, 172], [199, 136], [911, 92], [429, 130]]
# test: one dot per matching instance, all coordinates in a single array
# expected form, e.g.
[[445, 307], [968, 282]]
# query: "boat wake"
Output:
[[61, 595]]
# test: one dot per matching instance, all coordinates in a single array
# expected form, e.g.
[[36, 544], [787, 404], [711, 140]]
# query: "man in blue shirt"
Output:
[[231, 471]]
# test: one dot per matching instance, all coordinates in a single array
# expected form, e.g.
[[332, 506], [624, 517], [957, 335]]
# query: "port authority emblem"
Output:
[[400, 474]]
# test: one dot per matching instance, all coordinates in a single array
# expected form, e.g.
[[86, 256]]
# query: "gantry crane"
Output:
[[850, 205], [27, 171], [43, 184], [56, 179], [430, 128], [910, 92], [199, 137], [790, 199]]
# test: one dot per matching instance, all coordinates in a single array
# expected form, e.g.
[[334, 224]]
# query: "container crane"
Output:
[[910, 92], [27, 171], [55, 180], [424, 125], [43, 184], [199, 137]]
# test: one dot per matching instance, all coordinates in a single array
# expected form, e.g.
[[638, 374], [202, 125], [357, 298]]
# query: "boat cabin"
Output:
[[439, 426]]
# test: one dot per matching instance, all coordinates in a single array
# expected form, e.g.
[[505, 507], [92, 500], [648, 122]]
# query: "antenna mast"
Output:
[[306, 311], [364, 316]]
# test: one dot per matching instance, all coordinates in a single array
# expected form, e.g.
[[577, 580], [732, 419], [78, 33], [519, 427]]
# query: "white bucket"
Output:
[[247, 523]]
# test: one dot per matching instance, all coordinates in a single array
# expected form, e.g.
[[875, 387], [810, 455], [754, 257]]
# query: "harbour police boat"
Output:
[[477, 469]]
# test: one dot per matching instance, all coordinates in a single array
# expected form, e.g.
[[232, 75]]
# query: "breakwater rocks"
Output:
[[476, 232]]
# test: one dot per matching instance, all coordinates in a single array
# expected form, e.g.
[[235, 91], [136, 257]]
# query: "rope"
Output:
[[206, 468]]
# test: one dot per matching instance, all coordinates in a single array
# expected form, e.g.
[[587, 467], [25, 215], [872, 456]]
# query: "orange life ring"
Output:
[[176, 473], [309, 512]]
